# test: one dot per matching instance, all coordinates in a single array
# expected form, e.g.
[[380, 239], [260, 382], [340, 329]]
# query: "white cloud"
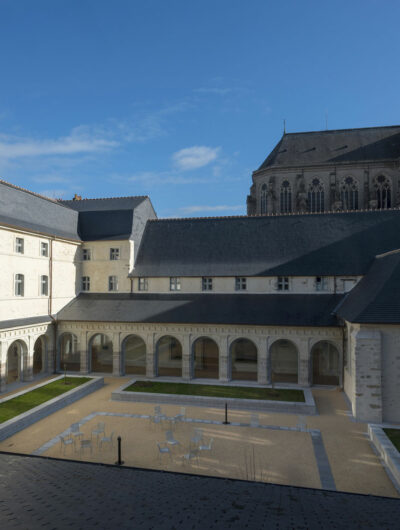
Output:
[[154, 178], [218, 208], [195, 157]]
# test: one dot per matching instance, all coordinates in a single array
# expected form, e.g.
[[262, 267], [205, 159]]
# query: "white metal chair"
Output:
[[196, 438], [163, 450], [107, 439], [100, 429], [75, 431], [191, 455], [65, 442], [85, 444], [206, 447], [170, 438]]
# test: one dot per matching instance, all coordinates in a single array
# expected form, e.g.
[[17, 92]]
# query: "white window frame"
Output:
[[44, 249], [240, 283], [85, 284], [19, 285], [174, 283], [207, 283], [115, 254], [143, 284], [112, 283], [86, 254], [19, 245], [321, 283], [44, 285], [283, 283]]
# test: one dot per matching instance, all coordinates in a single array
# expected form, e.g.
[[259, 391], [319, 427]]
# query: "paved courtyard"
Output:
[[328, 451]]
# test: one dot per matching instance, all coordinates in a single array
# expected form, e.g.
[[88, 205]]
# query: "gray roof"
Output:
[[376, 298], [108, 203], [22, 322], [336, 146], [246, 309], [294, 245], [23, 209]]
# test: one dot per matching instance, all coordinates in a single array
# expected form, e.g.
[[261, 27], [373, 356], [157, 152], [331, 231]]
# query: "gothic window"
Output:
[[286, 197], [316, 199], [263, 199], [349, 193], [383, 192]]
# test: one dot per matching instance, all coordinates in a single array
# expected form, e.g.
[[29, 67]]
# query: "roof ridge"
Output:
[[343, 130], [19, 188], [105, 198]]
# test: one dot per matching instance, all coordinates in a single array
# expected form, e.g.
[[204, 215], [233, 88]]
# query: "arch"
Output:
[[263, 199], [243, 355], [286, 197], [70, 358], [169, 356], [134, 355], [349, 193], [39, 355], [16, 358], [101, 353], [284, 362], [205, 358], [383, 191], [325, 364], [316, 196]]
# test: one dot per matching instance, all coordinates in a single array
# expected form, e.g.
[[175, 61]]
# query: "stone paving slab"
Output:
[[40, 493]]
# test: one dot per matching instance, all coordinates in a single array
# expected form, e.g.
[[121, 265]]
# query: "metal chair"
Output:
[[86, 444], [100, 429], [170, 438], [75, 431], [191, 455], [107, 439], [65, 442], [163, 450], [206, 447], [196, 438]]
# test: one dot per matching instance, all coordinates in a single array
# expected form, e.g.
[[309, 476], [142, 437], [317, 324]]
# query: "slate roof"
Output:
[[294, 245], [111, 203], [24, 209], [335, 146], [376, 298], [246, 309], [22, 322]]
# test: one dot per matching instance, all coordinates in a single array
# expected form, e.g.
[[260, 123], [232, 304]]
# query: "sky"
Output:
[[182, 100]]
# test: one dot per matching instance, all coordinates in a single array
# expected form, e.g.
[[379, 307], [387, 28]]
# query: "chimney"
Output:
[[77, 197]]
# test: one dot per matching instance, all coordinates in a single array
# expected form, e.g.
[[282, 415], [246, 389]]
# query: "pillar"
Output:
[[304, 366], [83, 347], [186, 358], [224, 364], [151, 368], [3, 361], [117, 364], [262, 362]]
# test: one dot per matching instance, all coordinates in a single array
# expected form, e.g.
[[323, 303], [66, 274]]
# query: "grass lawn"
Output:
[[20, 404], [394, 437], [276, 394]]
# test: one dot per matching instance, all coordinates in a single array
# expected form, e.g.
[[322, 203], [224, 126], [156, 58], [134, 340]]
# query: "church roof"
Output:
[[376, 298], [244, 309], [293, 245], [335, 146]]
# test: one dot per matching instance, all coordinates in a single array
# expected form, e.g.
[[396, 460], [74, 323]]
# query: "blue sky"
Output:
[[182, 100]]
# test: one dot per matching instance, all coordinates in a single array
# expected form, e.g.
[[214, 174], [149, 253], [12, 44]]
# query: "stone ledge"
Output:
[[256, 405], [387, 451], [20, 422]]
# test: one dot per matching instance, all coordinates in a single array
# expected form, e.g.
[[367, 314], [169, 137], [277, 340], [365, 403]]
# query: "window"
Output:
[[85, 283], [240, 284], [114, 254], [348, 285], [316, 201], [44, 285], [286, 197], [87, 254], [143, 284], [383, 192], [44, 249], [263, 205], [174, 284], [19, 245], [112, 283], [206, 284], [19, 285], [349, 194], [283, 283], [321, 283]]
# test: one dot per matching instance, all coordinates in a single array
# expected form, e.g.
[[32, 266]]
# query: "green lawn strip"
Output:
[[276, 394], [394, 437], [20, 404]]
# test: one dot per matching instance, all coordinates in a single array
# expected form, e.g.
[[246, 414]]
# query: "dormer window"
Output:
[[206, 284], [240, 283], [283, 283], [174, 284]]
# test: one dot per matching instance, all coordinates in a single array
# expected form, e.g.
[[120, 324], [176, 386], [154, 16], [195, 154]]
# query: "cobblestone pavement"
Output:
[[42, 493]]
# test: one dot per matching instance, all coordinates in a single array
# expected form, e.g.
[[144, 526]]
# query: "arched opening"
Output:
[[263, 197], [316, 198], [101, 353], [286, 197], [383, 192], [349, 193], [243, 360], [39, 355], [325, 362], [134, 351], [15, 355], [70, 358], [284, 362], [169, 357], [205, 358]]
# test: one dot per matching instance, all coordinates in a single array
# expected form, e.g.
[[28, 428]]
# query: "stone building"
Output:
[[298, 299]]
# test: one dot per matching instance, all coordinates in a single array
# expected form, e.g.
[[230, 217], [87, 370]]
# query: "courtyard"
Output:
[[329, 450]]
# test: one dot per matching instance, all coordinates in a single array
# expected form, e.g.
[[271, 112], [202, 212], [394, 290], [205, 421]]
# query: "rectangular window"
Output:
[[87, 254], [207, 284], [44, 249], [19, 245], [44, 285], [114, 254], [85, 283], [112, 283], [321, 283], [283, 283], [19, 285], [142, 284], [240, 284], [174, 284]]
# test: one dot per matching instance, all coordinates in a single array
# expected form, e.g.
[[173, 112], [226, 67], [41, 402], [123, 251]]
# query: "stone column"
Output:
[[27, 361], [84, 351], [117, 364], [151, 368], [367, 399], [3, 361], [304, 376], [186, 358], [262, 364], [224, 361]]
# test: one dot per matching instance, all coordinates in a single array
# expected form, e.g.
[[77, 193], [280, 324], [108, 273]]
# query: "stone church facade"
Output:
[[103, 286]]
